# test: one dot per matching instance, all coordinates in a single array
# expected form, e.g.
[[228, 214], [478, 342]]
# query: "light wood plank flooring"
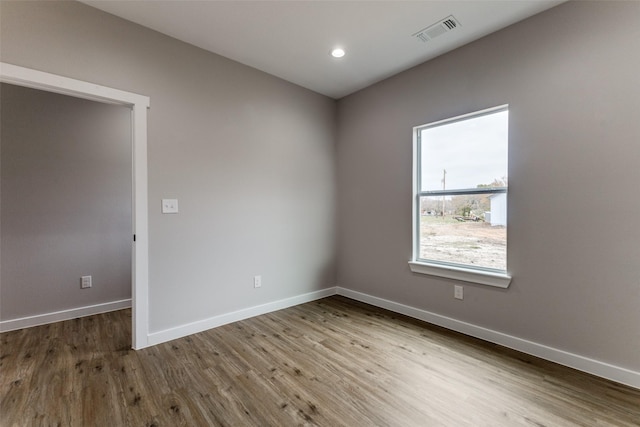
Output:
[[333, 362]]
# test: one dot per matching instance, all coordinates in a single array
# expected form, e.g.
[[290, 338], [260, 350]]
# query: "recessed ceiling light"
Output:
[[337, 52]]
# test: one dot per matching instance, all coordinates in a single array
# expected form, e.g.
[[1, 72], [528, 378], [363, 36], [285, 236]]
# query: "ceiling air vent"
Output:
[[447, 24]]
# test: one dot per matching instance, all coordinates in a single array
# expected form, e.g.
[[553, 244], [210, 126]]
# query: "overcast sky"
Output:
[[472, 151]]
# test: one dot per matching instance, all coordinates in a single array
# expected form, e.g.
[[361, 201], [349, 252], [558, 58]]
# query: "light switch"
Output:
[[169, 206]]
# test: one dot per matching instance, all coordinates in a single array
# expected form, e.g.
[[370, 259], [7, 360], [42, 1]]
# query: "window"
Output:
[[460, 197]]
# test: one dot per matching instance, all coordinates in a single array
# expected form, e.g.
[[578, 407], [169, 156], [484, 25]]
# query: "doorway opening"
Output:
[[138, 104]]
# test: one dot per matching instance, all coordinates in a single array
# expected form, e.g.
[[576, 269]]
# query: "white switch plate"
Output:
[[85, 282], [169, 206], [458, 292], [257, 281]]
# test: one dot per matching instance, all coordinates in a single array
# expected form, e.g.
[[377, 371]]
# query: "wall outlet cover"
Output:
[[85, 282], [169, 206]]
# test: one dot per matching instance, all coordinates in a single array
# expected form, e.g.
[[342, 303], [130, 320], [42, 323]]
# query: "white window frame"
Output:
[[466, 273]]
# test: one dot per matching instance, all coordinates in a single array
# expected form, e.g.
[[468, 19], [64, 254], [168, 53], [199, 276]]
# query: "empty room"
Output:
[[331, 213]]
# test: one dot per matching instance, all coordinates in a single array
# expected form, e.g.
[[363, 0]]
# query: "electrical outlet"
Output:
[[85, 282], [257, 281], [169, 206], [458, 292]]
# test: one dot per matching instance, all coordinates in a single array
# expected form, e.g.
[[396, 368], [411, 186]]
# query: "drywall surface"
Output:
[[250, 158], [571, 77], [65, 202]]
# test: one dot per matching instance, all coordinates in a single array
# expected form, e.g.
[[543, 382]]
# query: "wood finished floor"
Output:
[[333, 362]]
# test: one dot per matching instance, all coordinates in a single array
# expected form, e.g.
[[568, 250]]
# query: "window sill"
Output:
[[489, 278]]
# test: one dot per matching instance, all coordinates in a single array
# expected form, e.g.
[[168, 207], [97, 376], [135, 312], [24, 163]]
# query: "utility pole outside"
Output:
[[444, 186]]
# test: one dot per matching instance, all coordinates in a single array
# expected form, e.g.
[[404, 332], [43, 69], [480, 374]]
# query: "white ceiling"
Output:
[[292, 39]]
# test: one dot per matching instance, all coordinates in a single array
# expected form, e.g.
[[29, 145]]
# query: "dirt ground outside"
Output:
[[476, 243]]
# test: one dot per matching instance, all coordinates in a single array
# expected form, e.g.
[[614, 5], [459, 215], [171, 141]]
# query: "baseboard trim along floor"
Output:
[[581, 363], [223, 319], [572, 360], [59, 316]]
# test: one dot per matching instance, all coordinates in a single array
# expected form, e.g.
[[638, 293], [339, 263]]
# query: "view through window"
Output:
[[462, 190]]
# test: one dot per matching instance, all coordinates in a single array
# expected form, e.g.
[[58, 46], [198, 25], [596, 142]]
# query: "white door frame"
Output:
[[21, 76]]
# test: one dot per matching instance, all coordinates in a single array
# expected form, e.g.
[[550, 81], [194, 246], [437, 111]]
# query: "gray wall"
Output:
[[571, 77], [252, 160], [250, 157], [65, 200]]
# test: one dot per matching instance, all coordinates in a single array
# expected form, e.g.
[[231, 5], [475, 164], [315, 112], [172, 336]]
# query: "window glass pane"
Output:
[[465, 154], [465, 229]]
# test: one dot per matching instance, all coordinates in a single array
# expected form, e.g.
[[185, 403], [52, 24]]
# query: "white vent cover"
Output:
[[447, 24]]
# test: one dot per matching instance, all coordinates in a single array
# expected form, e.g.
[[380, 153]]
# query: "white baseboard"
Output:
[[59, 316], [223, 319], [581, 363]]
